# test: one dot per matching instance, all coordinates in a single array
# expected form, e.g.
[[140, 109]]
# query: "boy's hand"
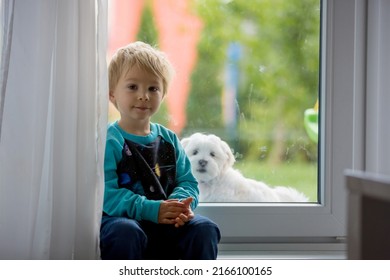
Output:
[[169, 210], [185, 216]]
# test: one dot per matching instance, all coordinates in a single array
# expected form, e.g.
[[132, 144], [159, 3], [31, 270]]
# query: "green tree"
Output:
[[148, 31]]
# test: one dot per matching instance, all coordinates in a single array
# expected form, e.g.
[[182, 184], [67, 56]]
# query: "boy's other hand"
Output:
[[187, 215]]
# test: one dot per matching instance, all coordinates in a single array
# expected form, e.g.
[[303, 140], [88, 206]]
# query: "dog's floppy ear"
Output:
[[231, 159], [184, 142]]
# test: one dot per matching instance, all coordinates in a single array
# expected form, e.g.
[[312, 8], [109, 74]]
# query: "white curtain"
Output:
[[53, 129], [6, 19]]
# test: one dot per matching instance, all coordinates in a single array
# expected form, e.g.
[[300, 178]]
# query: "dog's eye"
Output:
[[194, 152], [212, 154]]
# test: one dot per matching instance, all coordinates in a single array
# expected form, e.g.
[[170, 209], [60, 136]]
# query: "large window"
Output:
[[248, 71]]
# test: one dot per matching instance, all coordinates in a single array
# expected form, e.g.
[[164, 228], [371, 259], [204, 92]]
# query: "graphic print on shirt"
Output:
[[148, 170]]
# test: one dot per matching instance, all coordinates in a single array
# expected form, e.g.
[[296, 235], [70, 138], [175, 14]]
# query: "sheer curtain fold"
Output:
[[54, 123], [6, 18]]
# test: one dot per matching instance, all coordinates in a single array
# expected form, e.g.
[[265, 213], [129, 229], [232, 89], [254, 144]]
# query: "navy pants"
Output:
[[126, 239]]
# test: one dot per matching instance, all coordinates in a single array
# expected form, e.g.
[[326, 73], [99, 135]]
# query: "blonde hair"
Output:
[[143, 56]]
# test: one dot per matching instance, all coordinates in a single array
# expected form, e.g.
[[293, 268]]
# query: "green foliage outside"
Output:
[[278, 75]]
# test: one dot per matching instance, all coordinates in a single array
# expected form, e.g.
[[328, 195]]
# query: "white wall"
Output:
[[378, 87]]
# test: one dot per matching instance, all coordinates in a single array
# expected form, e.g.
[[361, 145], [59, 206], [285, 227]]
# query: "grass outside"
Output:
[[301, 176]]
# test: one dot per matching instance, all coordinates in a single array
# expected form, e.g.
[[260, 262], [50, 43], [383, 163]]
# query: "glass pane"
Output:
[[248, 72]]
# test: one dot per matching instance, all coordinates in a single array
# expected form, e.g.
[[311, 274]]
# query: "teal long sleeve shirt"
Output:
[[124, 194]]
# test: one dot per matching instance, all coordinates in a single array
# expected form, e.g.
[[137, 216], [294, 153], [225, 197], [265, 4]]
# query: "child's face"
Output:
[[137, 95]]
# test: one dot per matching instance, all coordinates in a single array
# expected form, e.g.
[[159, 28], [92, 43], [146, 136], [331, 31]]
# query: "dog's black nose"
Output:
[[202, 162]]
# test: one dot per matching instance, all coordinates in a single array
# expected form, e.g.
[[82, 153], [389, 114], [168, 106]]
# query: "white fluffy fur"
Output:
[[212, 164]]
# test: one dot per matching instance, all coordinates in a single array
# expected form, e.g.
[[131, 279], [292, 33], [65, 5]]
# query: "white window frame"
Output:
[[341, 144]]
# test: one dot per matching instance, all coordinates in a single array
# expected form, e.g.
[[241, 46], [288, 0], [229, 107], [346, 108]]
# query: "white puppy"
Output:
[[212, 165]]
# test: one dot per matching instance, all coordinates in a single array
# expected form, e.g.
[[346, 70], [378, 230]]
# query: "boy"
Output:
[[150, 192]]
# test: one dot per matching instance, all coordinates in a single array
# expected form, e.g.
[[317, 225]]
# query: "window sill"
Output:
[[283, 251]]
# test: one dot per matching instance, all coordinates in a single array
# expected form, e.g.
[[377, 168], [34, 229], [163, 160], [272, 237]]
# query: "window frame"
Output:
[[341, 144]]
